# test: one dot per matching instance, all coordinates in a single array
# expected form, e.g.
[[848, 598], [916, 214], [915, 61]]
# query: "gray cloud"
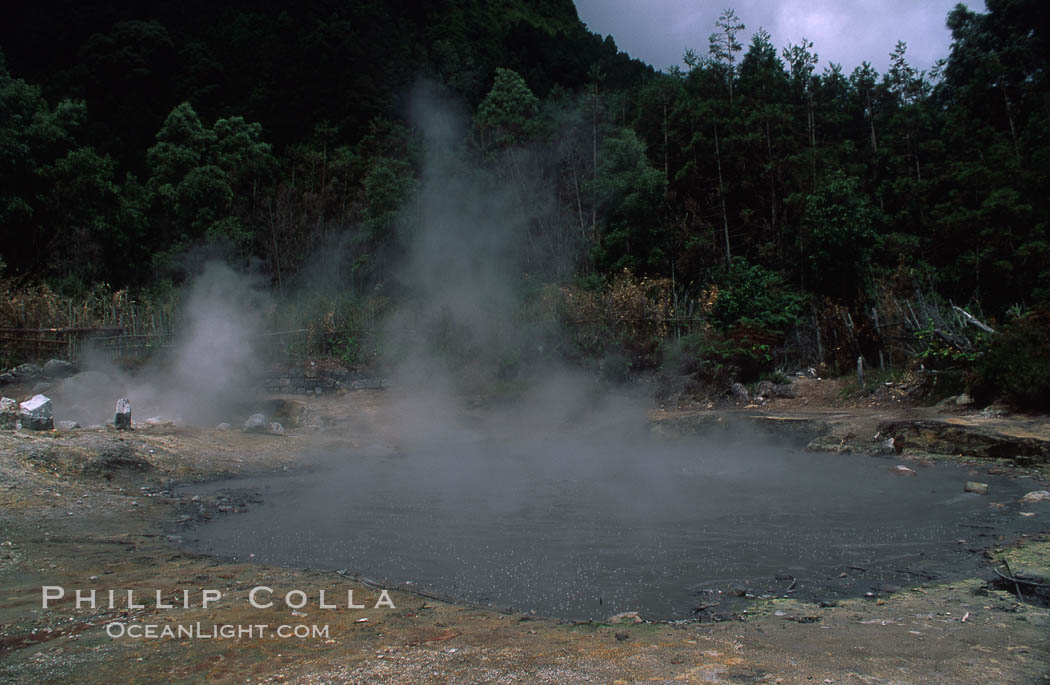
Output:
[[843, 31]]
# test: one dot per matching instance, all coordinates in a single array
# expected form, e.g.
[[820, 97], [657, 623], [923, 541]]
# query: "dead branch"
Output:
[[970, 318]]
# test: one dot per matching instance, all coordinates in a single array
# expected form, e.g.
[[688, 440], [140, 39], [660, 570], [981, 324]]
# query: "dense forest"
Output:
[[775, 201]]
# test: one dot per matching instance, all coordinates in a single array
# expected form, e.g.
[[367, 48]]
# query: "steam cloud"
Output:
[[210, 370], [473, 240]]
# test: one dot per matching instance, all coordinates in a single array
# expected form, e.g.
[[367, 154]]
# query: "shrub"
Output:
[[1016, 364], [752, 312], [755, 297]]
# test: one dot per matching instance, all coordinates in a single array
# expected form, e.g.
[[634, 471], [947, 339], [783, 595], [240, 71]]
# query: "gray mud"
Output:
[[584, 528]]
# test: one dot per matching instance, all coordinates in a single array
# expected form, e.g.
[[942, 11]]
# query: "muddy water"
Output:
[[579, 529]]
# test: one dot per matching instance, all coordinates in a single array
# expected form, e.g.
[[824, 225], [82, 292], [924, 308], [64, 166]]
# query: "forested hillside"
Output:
[[758, 191]]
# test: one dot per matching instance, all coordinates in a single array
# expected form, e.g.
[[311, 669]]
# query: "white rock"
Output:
[[36, 414], [122, 414], [256, 423]]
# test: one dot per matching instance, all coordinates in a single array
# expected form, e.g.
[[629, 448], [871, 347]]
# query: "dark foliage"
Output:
[[1016, 364], [132, 133]]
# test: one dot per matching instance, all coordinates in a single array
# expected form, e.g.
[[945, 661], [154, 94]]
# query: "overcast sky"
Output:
[[844, 31]]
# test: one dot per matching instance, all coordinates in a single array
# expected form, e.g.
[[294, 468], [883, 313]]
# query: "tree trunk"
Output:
[[1010, 118], [594, 164], [871, 124], [772, 187], [812, 121], [667, 173], [722, 196]]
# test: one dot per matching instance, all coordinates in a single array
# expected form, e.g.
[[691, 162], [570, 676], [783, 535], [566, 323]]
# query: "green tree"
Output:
[[629, 194], [839, 238], [724, 45], [198, 175], [507, 115], [34, 138]]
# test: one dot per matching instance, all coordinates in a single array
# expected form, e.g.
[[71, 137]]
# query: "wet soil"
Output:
[[96, 509]]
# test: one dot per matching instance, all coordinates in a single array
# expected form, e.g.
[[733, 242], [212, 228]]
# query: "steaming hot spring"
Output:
[[595, 515]]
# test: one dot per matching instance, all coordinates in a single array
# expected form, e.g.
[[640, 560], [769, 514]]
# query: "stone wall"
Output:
[[316, 378]]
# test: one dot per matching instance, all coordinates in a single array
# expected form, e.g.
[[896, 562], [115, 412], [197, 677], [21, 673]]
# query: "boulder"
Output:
[[256, 423], [122, 414], [8, 414], [963, 400], [20, 373], [764, 390], [976, 488], [58, 368], [787, 390], [36, 414], [739, 392], [223, 426], [67, 425], [288, 412], [626, 617], [276, 427], [1036, 496]]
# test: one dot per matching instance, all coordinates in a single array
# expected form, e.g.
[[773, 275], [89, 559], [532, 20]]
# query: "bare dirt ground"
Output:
[[100, 509]]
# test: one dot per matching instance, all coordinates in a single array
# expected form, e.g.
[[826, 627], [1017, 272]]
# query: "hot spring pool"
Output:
[[585, 528]]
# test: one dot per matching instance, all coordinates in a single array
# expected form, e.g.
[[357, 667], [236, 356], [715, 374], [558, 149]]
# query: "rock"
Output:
[[256, 423], [8, 414], [963, 400], [40, 388], [20, 373], [57, 368], [739, 392], [976, 488], [787, 390], [122, 414], [36, 414], [764, 390], [223, 426], [993, 411], [67, 425], [887, 447], [288, 412], [275, 427], [626, 617], [902, 470], [1036, 496]]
